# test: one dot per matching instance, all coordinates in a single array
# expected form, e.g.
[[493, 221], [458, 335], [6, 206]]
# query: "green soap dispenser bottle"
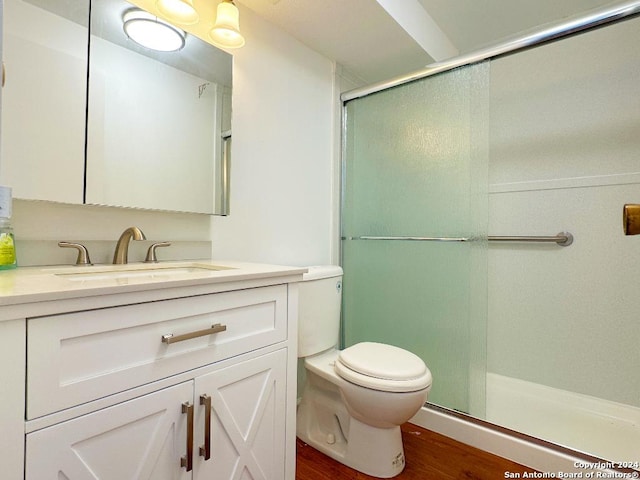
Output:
[[7, 240]]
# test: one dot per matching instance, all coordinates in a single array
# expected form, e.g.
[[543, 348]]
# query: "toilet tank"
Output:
[[319, 309]]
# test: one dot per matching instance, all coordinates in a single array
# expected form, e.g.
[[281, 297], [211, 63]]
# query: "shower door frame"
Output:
[[579, 24]]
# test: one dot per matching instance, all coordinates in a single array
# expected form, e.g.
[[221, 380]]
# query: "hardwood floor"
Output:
[[429, 456]]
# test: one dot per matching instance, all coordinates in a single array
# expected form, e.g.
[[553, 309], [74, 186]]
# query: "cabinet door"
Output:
[[44, 99], [248, 406], [142, 439]]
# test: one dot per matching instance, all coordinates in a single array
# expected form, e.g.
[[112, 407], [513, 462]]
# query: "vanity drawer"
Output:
[[82, 356]]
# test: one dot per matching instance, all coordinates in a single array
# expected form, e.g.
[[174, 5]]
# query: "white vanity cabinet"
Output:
[[226, 424], [187, 382]]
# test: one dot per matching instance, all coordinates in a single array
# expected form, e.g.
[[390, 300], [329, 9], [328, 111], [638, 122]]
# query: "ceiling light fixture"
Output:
[[151, 32], [179, 11], [226, 31]]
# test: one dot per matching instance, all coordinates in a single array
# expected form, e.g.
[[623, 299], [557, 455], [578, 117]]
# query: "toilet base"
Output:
[[378, 453], [324, 423]]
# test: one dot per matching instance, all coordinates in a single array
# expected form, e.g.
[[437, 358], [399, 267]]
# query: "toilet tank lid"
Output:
[[318, 272]]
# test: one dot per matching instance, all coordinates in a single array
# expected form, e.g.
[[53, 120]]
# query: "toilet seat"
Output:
[[383, 367]]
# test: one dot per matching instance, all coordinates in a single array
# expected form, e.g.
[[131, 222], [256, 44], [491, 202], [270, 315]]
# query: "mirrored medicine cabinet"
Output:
[[90, 117]]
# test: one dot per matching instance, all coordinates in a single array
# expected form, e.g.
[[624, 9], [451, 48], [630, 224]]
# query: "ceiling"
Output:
[[375, 40]]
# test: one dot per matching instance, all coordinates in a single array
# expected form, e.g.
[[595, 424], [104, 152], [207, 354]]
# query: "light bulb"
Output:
[[151, 32], [179, 11], [226, 31]]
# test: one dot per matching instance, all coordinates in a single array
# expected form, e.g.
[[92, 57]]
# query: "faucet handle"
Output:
[[151, 253], [83, 253]]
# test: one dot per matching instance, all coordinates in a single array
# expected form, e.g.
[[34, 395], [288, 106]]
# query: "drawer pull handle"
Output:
[[170, 338], [187, 461], [205, 450]]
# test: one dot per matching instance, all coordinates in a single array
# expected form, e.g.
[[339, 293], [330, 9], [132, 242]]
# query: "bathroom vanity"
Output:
[[172, 371]]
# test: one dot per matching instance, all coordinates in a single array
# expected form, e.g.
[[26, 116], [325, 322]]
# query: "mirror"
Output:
[[155, 119], [156, 124]]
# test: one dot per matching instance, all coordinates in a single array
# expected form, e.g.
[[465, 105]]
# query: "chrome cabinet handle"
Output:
[[205, 450], [170, 338], [187, 461]]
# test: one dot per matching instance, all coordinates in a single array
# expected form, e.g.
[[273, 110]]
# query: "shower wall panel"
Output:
[[564, 145]]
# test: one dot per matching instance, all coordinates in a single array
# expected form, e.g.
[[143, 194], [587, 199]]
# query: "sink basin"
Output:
[[138, 273]]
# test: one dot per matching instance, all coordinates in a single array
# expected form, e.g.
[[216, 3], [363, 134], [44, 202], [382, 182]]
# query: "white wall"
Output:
[[282, 199], [565, 123], [283, 203]]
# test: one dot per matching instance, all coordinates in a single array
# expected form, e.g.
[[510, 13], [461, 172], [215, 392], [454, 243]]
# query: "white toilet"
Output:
[[354, 400]]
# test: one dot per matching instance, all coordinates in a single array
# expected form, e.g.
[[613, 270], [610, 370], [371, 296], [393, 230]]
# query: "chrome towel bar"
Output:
[[564, 239], [412, 239]]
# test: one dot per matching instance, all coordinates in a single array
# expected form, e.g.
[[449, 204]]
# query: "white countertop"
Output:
[[36, 284]]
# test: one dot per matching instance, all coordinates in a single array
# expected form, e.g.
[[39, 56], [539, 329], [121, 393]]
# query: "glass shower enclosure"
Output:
[[524, 140]]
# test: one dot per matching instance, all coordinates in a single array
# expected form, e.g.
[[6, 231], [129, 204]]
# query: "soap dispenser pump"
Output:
[[7, 240]]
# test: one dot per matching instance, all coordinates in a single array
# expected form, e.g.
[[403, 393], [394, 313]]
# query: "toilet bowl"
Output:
[[354, 400]]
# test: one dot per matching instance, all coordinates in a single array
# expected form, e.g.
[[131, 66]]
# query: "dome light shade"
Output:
[[151, 32], [179, 11], [226, 31]]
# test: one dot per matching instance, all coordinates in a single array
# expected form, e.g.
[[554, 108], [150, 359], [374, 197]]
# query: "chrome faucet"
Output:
[[122, 247]]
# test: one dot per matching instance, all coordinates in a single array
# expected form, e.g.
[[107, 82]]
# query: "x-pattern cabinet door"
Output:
[[141, 439], [247, 435]]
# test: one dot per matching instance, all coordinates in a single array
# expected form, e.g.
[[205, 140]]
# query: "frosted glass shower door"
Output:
[[416, 166]]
